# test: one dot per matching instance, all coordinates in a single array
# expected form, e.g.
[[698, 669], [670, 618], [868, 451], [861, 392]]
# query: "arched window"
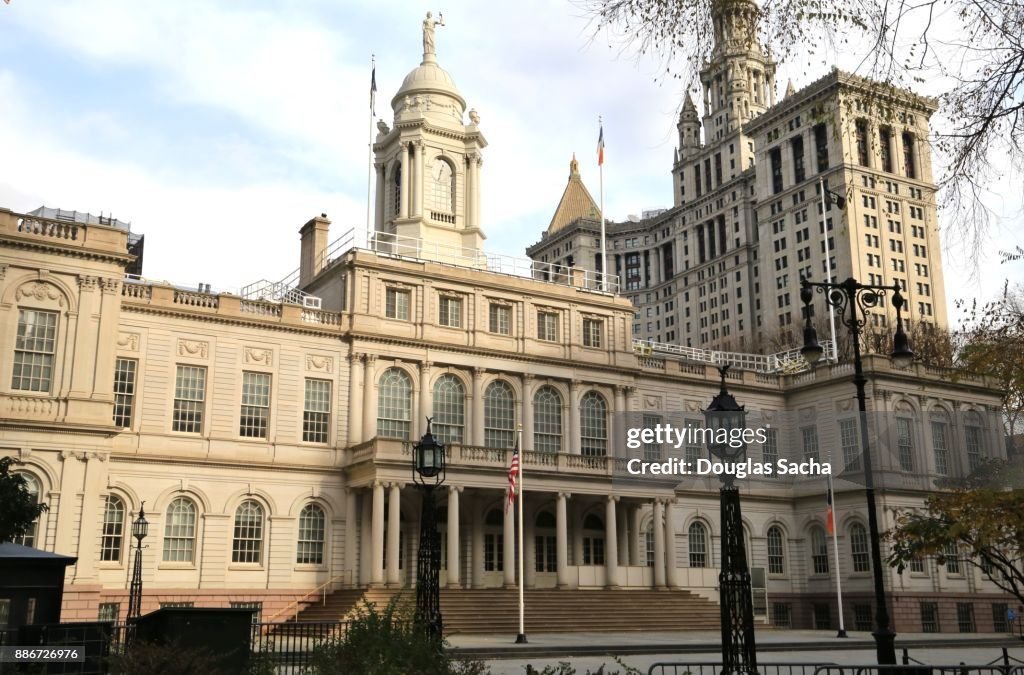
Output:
[[859, 548], [776, 551], [394, 404], [396, 195], [593, 540], [547, 420], [32, 487], [180, 531], [247, 544], [311, 536], [819, 551], [449, 409], [593, 425], [442, 187], [499, 415], [697, 538], [649, 544], [113, 530]]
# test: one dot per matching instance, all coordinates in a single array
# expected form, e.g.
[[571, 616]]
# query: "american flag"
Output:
[[373, 89], [830, 522], [513, 475], [600, 146]]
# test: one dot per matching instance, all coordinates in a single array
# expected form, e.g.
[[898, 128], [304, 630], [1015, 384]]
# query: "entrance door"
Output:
[[494, 548], [546, 557]]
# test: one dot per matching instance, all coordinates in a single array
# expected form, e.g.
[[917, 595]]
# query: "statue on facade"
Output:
[[382, 127], [429, 45]]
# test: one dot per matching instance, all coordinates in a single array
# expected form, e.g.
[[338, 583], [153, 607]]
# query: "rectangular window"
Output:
[[494, 552], [904, 444], [965, 617], [109, 611], [952, 560], [798, 159], [652, 451], [770, 449], [396, 304], [592, 330], [861, 133], [917, 565], [782, 615], [316, 411], [255, 405], [34, 347], [775, 156], [941, 448], [848, 442], [500, 319], [972, 436], [822, 616], [449, 311], [885, 148], [189, 399], [999, 618], [124, 392], [929, 617], [810, 441], [821, 146], [547, 326], [593, 550], [862, 617], [909, 163]]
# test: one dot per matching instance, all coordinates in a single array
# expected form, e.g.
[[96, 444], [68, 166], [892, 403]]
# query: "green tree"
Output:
[[971, 49], [16, 503], [983, 527]]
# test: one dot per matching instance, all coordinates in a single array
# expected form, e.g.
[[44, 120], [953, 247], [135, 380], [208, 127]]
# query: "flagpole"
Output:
[[369, 146], [521, 637], [835, 549], [604, 243]]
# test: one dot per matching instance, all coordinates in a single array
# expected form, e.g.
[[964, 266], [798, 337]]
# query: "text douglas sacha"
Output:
[[705, 467]]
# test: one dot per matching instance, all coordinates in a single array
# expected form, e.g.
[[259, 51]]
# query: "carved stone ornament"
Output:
[[110, 285], [197, 348], [845, 404], [693, 406], [320, 364], [258, 356], [41, 291], [807, 413], [86, 283], [652, 402], [128, 342]]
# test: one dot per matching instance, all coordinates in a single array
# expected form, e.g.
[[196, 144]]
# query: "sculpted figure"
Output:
[[429, 45]]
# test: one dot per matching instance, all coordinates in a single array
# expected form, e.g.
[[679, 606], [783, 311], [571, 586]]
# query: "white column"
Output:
[[366, 539], [453, 536], [467, 193], [394, 525], [355, 409], [377, 539], [509, 549], [351, 536], [426, 397], [403, 211], [671, 572], [561, 541], [659, 546], [417, 182], [477, 419], [573, 444], [611, 543], [633, 514], [369, 400], [476, 163]]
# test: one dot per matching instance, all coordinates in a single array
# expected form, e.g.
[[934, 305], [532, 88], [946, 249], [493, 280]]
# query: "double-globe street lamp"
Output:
[[859, 299], [428, 472], [727, 421]]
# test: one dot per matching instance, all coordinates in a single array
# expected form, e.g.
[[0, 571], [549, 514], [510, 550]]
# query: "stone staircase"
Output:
[[496, 610]]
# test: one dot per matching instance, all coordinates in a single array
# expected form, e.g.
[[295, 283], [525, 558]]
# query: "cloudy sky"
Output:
[[217, 128]]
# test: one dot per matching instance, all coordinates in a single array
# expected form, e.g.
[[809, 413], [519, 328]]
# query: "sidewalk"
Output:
[[704, 642]]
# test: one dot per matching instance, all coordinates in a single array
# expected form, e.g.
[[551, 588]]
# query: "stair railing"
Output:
[[321, 590]]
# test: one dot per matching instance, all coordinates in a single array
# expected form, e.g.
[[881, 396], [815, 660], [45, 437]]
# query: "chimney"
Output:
[[314, 244]]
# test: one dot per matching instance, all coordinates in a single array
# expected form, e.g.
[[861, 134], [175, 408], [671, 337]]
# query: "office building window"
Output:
[[112, 540], [34, 348], [310, 549], [247, 542], [394, 404], [189, 399], [180, 531], [500, 319], [450, 311], [593, 425], [547, 420], [255, 413], [547, 326], [449, 409], [396, 304], [124, 392], [697, 541], [316, 412], [499, 415]]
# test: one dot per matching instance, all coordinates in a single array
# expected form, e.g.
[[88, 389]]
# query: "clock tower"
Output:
[[428, 166]]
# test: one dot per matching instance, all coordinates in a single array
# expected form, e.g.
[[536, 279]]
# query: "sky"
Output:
[[217, 128]]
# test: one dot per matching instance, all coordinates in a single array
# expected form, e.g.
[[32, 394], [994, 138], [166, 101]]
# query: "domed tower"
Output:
[[428, 163]]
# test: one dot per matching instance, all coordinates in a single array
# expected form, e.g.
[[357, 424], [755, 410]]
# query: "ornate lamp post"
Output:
[[140, 528], [858, 298], [739, 652], [428, 472]]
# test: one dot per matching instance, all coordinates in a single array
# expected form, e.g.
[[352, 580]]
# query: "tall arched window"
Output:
[[499, 415], [180, 531], [547, 420], [776, 551], [593, 540], [449, 409], [32, 487], [545, 556], [396, 186], [394, 404], [819, 551], [247, 543], [649, 544], [113, 530], [442, 191], [593, 425], [697, 538], [310, 550], [859, 548]]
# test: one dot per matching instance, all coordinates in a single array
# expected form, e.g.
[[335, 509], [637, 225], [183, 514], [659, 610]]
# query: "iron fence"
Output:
[[915, 669], [683, 668], [288, 648]]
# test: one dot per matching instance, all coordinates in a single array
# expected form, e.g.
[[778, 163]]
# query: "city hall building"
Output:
[[269, 434]]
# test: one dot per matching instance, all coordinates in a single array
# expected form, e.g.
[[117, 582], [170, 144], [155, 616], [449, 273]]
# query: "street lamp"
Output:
[[726, 420], [140, 528], [428, 472], [859, 299]]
